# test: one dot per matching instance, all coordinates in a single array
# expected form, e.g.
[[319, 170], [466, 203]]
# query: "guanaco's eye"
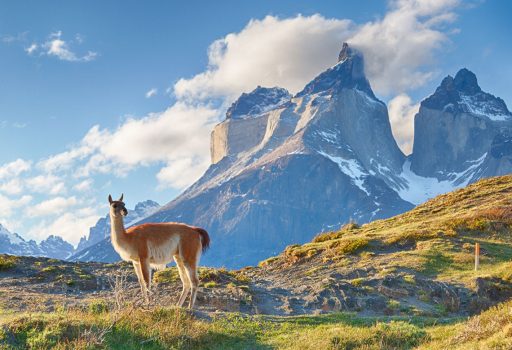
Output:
[[115, 206]]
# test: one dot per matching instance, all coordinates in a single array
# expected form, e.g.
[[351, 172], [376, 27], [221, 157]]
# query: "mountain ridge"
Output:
[[326, 156]]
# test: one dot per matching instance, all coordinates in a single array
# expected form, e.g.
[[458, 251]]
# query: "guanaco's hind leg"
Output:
[[138, 271], [184, 280], [146, 274], [191, 270]]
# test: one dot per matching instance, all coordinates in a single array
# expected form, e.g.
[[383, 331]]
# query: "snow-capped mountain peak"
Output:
[[462, 94], [14, 238]]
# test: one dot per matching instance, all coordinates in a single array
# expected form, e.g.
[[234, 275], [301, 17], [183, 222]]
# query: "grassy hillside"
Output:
[[405, 282]]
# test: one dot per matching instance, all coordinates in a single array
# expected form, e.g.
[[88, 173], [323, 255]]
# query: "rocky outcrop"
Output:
[[461, 132], [246, 122]]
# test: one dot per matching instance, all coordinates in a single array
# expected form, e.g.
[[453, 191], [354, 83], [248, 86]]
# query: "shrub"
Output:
[[7, 262], [168, 275], [210, 284], [268, 261], [98, 307], [328, 236], [349, 246]]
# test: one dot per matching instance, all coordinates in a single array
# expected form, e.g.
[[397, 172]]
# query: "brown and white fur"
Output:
[[150, 246]]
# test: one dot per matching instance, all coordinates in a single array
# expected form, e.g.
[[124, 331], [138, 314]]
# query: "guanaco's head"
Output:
[[117, 208]]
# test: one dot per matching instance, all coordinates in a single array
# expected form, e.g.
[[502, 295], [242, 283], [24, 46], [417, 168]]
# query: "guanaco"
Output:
[[154, 245]]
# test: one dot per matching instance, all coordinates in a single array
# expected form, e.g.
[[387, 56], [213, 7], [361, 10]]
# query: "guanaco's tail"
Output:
[[205, 238]]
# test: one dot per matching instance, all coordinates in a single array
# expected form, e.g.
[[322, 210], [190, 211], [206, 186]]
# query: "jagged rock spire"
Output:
[[345, 52], [347, 73]]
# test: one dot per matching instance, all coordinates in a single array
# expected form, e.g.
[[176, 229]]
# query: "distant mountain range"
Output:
[[52, 247], [286, 167]]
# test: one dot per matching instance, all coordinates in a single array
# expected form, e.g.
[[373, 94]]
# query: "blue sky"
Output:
[[120, 96]]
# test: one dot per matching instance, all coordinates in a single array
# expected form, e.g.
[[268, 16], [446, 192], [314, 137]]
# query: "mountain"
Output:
[[286, 167], [313, 162], [462, 133], [52, 247], [90, 248]]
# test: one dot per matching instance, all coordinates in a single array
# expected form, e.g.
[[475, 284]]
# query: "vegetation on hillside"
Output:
[[416, 270]]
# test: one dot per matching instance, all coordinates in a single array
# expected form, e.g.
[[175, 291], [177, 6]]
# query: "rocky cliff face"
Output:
[[461, 132], [246, 122]]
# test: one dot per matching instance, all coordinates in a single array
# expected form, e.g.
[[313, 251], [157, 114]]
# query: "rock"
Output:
[[461, 132]]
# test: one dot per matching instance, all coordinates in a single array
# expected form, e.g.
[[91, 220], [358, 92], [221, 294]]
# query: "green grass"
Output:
[[7, 262], [160, 328]]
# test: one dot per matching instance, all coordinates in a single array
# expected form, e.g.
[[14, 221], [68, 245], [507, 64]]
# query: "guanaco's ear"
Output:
[[121, 198], [110, 199]]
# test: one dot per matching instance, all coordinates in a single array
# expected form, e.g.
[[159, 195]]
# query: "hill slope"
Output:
[[406, 280]]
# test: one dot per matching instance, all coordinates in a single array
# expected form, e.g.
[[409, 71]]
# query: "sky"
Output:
[[114, 97]]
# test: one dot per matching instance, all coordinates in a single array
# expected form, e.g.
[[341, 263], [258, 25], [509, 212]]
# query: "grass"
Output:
[[101, 327], [7, 262], [434, 240], [163, 328], [208, 277]]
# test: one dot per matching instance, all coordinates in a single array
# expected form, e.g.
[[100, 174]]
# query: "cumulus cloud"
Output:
[[46, 183], [151, 92], [272, 51], [7, 205], [290, 52], [14, 168], [12, 187], [32, 48], [400, 48], [52, 206], [70, 226], [401, 116], [179, 134], [83, 186], [65, 160]]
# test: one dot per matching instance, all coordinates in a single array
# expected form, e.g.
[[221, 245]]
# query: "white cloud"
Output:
[[57, 47], [14, 168], [52, 206], [401, 116], [65, 160], [268, 52], [46, 183], [70, 226], [400, 48], [32, 48], [182, 172], [290, 52], [12, 187], [152, 92], [7, 205], [179, 134], [83, 186]]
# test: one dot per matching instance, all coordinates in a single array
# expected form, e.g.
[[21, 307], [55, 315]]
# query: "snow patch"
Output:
[[483, 108], [350, 167], [419, 189]]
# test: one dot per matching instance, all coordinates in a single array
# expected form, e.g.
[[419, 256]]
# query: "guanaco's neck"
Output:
[[117, 230]]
